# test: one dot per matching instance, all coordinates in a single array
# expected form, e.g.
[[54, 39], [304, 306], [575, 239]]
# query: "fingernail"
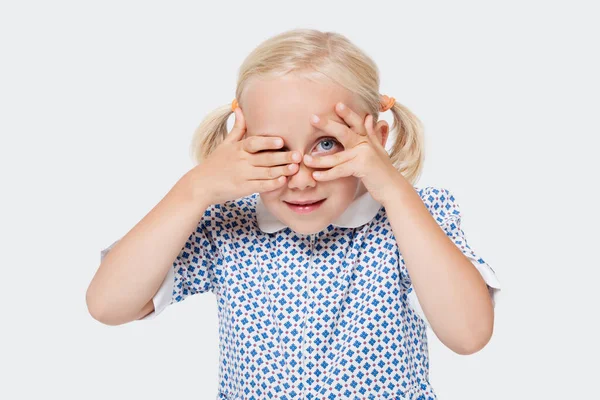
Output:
[[315, 119], [307, 158], [341, 106]]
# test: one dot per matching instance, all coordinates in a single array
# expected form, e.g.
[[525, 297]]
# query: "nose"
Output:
[[302, 179]]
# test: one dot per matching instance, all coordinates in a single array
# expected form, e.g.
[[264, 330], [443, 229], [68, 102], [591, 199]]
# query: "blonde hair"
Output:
[[312, 52]]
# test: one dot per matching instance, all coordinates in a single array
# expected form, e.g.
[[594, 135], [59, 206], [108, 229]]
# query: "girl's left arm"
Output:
[[451, 291]]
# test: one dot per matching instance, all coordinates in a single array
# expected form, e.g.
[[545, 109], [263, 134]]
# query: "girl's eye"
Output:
[[328, 144]]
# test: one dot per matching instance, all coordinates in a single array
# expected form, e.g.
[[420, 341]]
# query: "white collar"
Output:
[[362, 210]]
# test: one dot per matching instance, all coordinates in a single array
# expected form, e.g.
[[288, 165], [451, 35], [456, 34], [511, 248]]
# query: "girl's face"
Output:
[[282, 107]]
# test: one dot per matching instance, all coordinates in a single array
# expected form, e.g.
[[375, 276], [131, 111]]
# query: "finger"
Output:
[[275, 158], [262, 186], [239, 127], [340, 171], [340, 131], [254, 144], [369, 126], [273, 172], [354, 120], [329, 161]]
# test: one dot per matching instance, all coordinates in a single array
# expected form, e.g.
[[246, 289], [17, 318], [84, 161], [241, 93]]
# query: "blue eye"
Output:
[[330, 143]]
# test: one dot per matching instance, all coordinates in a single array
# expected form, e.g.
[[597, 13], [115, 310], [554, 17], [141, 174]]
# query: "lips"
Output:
[[304, 202], [305, 208]]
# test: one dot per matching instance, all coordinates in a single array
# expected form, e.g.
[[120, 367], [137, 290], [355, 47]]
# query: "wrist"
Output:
[[193, 190], [397, 192]]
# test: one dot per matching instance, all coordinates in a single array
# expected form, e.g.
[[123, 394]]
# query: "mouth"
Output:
[[304, 207], [304, 202]]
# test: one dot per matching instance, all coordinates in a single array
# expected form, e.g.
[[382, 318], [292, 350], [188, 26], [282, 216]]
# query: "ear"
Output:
[[382, 131]]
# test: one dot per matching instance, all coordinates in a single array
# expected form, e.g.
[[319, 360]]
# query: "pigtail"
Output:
[[210, 133], [407, 153]]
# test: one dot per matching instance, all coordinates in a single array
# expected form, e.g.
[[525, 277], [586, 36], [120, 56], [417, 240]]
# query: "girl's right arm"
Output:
[[132, 272], [141, 259]]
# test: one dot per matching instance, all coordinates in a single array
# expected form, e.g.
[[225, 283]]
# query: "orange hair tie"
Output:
[[386, 103], [234, 104]]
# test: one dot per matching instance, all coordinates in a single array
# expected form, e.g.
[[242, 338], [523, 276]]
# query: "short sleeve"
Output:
[[193, 270], [444, 208]]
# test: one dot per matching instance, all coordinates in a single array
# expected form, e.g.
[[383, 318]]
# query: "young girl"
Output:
[[327, 263]]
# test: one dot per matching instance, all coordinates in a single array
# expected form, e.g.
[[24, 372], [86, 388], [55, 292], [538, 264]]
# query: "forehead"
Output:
[[280, 106]]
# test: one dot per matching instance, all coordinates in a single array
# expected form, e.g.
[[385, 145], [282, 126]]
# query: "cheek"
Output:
[[271, 197], [344, 187]]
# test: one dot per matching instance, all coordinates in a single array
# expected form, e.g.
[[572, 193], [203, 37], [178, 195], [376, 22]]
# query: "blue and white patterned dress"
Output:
[[330, 315]]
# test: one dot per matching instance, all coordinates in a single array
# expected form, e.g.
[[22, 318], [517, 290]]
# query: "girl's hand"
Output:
[[236, 168], [364, 156]]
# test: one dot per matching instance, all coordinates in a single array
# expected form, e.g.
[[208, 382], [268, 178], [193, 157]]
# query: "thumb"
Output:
[[370, 128], [372, 134], [239, 127]]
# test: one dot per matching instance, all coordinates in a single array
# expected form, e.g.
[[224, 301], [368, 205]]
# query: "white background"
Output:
[[98, 104]]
